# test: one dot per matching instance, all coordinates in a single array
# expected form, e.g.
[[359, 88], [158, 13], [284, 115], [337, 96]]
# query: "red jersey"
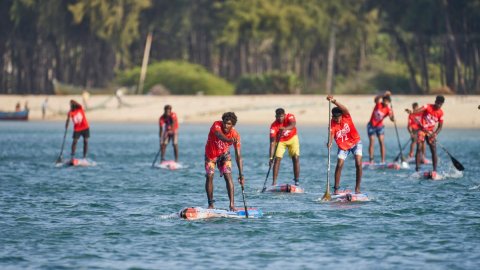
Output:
[[414, 119], [431, 117], [216, 147], [379, 113], [344, 133], [287, 134], [169, 122], [78, 118]]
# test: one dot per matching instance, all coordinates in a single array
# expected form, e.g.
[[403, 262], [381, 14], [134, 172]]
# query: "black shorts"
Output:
[[85, 133]]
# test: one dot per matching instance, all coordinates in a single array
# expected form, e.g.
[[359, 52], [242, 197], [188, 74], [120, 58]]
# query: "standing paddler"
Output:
[[221, 136], [348, 141]]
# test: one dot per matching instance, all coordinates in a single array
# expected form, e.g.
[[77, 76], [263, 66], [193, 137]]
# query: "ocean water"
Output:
[[119, 214]]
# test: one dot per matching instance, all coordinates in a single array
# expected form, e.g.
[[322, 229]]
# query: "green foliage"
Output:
[[181, 78], [380, 75], [268, 83]]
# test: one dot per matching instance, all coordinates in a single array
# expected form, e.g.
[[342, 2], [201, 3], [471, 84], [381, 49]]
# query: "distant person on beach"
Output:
[[375, 125], [26, 106], [80, 127], [118, 95], [348, 140], [168, 123], [283, 130], [18, 107], [85, 97], [217, 153], [413, 127], [430, 127], [44, 107]]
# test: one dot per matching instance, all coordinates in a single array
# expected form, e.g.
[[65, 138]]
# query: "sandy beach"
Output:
[[460, 111]]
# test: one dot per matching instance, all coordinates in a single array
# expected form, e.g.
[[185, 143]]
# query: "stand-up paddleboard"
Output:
[[383, 166], [411, 160], [288, 188], [194, 213], [432, 176], [169, 165], [77, 162], [349, 196]]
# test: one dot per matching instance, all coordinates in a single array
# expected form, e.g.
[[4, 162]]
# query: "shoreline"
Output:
[[309, 110]]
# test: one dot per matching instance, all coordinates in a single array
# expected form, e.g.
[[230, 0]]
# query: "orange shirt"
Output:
[[431, 117], [216, 147], [344, 133], [168, 122], [79, 120], [287, 134], [414, 119], [379, 113]]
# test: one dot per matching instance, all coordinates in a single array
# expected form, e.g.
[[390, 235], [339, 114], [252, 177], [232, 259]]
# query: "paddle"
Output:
[[241, 184], [244, 202], [455, 162], [400, 154], [156, 157], [60, 156], [270, 164], [327, 196], [398, 137]]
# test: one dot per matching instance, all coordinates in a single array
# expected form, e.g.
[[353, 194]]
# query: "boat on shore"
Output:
[[14, 116]]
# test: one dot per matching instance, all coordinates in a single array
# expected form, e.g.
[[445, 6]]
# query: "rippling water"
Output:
[[116, 215]]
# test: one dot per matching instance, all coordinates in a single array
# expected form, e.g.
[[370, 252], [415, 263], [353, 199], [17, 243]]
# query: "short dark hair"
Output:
[[440, 99], [279, 111], [167, 107], [230, 116], [414, 104], [387, 98], [336, 112]]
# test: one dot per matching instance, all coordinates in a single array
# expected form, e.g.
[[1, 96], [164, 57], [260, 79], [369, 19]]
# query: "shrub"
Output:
[[181, 78]]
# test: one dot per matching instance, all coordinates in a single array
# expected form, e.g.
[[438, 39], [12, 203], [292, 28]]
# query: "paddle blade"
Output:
[[327, 197], [59, 160], [264, 189], [457, 164]]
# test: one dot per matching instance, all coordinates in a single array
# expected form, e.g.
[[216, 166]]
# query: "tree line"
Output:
[[431, 43]]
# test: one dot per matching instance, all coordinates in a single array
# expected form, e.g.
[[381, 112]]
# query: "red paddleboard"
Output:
[[380, 166], [288, 188], [348, 196], [169, 165], [195, 213]]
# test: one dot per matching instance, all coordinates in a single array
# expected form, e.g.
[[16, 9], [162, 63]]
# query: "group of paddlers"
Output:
[[424, 125]]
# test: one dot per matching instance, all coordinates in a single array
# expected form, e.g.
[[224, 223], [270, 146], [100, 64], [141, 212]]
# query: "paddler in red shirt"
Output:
[[284, 132], [375, 125], [168, 123], [413, 128], [217, 154], [346, 136], [430, 127], [80, 127]]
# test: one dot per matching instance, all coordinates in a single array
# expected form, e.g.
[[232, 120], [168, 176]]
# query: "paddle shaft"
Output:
[[156, 157], [244, 202], [403, 147], [270, 164], [240, 168], [327, 195], [398, 137], [60, 156]]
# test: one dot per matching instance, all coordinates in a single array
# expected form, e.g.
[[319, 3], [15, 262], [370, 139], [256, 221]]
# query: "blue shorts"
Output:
[[375, 130], [355, 150]]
